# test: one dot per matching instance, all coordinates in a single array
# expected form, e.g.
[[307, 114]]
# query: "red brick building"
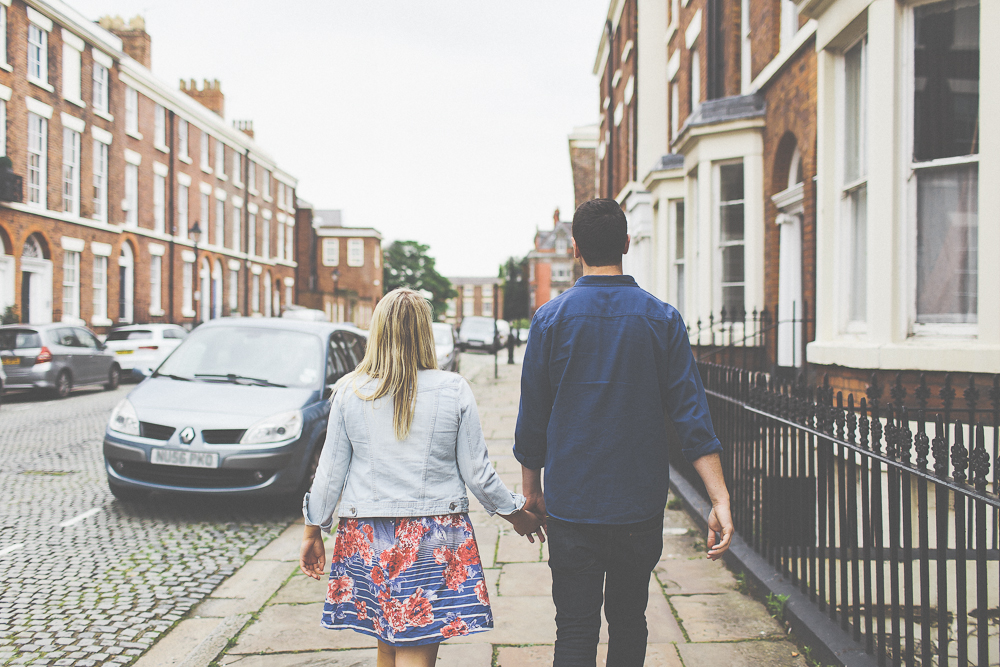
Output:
[[113, 172], [551, 267], [340, 268], [477, 296]]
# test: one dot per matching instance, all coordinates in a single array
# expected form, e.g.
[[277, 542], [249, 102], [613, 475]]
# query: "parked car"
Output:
[[306, 314], [55, 358], [446, 345], [482, 333], [3, 383], [142, 347], [240, 406]]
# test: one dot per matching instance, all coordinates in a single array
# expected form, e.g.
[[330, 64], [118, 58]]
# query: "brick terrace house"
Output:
[[112, 169], [340, 268], [476, 296], [741, 139], [551, 267]]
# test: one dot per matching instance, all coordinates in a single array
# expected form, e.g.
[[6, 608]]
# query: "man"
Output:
[[606, 363]]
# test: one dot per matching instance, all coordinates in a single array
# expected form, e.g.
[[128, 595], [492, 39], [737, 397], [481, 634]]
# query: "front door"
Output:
[[25, 296], [36, 290], [790, 307]]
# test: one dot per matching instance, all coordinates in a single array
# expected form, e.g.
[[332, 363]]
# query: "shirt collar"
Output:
[[602, 281]]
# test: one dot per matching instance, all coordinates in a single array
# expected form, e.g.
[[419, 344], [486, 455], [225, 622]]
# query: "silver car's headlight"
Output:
[[277, 428], [124, 419]]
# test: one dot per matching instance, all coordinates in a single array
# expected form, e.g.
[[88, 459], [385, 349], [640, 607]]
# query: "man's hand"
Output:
[[719, 521], [312, 555], [531, 487], [526, 522]]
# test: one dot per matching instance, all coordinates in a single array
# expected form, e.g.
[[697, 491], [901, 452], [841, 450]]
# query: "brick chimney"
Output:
[[555, 219], [244, 126], [135, 39], [210, 96]]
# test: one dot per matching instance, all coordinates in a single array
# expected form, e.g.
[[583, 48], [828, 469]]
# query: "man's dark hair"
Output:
[[600, 232]]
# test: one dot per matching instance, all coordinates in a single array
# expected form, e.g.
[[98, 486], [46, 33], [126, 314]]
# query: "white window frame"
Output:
[[220, 160], [71, 172], [265, 185], [237, 228], [265, 241], [131, 195], [331, 252], [71, 284], [100, 172], [289, 243], [252, 176], [280, 240], [187, 289], [206, 164], [38, 55], [848, 189], [789, 23], [355, 252], [677, 253], [38, 144], [72, 69], [251, 234], [100, 287], [183, 210], [220, 222], [719, 244], [909, 173], [132, 112], [3, 38], [182, 139], [234, 290], [159, 203], [3, 125], [160, 129], [155, 285], [694, 83], [255, 293], [100, 97], [205, 210], [237, 169]]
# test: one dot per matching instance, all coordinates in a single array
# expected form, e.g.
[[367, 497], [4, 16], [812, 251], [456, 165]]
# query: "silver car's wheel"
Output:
[[64, 384], [114, 377]]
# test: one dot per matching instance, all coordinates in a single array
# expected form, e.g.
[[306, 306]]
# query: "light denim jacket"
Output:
[[375, 475]]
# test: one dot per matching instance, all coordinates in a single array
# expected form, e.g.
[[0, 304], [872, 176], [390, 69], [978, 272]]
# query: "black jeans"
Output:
[[597, 563]]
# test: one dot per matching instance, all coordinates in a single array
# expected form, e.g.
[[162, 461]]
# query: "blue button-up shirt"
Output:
[[606, 364]]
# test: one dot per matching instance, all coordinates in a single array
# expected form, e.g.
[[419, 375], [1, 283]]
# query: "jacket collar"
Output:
[[606, 281]]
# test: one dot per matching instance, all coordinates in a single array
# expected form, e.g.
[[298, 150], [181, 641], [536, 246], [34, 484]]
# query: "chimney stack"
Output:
[[244, 126], [210, 96], [135, 39]]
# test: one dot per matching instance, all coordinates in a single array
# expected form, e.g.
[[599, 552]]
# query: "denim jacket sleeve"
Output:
[[474, 463], [331, 475]]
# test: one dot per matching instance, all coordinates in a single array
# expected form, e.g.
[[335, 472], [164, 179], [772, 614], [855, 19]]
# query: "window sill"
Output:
[[237, 184], [188, 313], [7, 67], [156, 312], [104, 114], [41, 84], [134, 134], [917, 353], [207, 170], [79, 103], [100, 321], [163, 148], [185, 159], [268, 198], [254, 191], [222, 177]]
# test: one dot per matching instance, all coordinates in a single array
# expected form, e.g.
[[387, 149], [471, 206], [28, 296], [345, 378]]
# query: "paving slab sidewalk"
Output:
[[267, 614]]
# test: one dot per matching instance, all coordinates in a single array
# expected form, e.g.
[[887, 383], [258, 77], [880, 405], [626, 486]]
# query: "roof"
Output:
[[475, 280], [724, 109], [546, 240], [328, 218], [669, 161]]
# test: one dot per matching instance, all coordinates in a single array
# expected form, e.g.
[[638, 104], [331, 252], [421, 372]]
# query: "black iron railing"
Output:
[[887, 518]]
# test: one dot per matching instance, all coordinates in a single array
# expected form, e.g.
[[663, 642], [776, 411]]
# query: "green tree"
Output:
[[407, 264], [514, 273]]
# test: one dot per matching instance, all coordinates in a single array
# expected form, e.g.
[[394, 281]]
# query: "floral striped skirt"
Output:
[[410, 581]]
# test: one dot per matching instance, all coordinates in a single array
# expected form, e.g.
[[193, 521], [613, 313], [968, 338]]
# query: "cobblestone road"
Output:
[[100, 589]]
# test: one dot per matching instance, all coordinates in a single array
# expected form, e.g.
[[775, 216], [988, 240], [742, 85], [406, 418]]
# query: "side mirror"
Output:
[[327, 392]]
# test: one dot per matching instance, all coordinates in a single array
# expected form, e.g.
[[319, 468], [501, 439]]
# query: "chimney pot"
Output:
[[135, 40], [210, 96]]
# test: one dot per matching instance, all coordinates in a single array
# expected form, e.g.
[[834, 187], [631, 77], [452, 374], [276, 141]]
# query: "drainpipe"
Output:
[[171, 216], [246, 234], [610, 111]]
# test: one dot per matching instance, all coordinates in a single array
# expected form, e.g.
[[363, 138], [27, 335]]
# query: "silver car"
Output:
[[55, 358], [446, 346]]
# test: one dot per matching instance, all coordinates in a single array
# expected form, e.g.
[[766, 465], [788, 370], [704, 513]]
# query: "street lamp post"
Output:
[[336, 280], [195, 232]]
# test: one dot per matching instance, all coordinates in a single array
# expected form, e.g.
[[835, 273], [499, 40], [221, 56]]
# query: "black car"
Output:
[[241, 406]]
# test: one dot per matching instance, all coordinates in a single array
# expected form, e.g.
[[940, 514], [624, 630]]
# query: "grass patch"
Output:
[[776, 606], [675, 504]]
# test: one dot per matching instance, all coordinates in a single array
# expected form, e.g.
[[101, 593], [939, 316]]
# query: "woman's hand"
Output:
[[312, 555], [525, 523]]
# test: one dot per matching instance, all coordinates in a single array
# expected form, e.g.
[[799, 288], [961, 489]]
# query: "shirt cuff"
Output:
[[713, 446], [519, 501], [325, 527], [529, 462]]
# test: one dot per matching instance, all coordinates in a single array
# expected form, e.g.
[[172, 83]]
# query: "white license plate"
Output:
[[177, 457]]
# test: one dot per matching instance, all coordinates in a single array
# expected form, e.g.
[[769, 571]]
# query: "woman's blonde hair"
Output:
[[400, 342]]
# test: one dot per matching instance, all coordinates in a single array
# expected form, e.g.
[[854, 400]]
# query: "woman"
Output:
[[403, 441]]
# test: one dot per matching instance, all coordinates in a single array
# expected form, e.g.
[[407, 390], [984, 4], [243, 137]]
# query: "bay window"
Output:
[[855, 177]]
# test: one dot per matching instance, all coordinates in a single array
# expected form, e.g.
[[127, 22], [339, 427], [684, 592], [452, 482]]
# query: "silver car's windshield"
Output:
[[272, 356], [442, 334]]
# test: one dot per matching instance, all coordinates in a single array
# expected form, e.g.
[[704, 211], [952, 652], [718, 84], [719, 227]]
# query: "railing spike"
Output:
[[939, 445], [959, 454], [922, 392], [904, 436], [947, 393], [852, 420], [898, 391], [921, 441], [980, 464], [864, 426]]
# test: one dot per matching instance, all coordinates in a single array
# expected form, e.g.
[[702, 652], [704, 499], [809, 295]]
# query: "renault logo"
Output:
[[187, 435]]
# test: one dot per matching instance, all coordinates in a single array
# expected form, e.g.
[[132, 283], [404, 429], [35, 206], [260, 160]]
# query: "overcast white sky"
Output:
[[443, 121]]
